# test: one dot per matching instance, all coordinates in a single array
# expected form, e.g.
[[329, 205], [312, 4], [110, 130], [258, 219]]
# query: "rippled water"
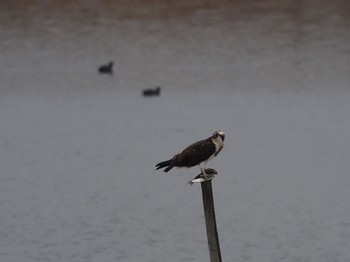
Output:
[[78, 149]]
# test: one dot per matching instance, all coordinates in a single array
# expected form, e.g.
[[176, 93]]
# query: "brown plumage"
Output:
[[196, 154]]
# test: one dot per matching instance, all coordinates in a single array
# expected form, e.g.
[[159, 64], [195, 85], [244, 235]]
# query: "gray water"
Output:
[[78, 149]]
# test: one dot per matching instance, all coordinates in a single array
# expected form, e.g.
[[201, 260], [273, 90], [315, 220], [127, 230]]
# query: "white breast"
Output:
[[218, 144]]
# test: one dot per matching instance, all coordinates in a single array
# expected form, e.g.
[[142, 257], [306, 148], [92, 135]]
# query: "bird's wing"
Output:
[[196, 153]]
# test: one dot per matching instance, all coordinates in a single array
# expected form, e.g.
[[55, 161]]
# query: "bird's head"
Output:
[[220, 134]]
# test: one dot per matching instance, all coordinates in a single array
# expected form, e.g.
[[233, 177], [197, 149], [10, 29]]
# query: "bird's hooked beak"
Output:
[[222, 137]]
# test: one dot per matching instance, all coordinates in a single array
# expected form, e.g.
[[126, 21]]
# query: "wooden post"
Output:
[[210, 221]]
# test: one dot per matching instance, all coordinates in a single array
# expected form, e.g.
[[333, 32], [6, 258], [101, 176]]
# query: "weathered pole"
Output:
[[210, 221]]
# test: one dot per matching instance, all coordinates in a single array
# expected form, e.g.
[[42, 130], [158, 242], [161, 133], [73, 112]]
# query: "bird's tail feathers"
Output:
[[164, 164], [168, 168]]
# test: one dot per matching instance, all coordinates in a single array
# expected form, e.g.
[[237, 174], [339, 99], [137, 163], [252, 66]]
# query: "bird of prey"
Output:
[[200, 178], [199, 153]]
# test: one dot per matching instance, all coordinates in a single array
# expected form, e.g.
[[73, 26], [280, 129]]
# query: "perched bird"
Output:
[[198, 153], [200, 178], [106, 69], [152, 92]]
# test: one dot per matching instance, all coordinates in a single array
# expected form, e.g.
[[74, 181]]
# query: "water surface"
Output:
[[78, 149]]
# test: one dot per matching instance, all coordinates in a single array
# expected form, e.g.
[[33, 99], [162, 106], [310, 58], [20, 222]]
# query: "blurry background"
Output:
[[78, 149]]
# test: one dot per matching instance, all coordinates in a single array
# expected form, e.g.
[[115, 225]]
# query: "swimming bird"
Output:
[[152, 92], [106, 69]]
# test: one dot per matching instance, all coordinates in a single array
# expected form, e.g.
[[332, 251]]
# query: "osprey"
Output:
[[198, 153], [200, 178]]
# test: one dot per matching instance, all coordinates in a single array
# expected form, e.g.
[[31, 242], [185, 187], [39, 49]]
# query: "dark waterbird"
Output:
[[106, 69], [152, 92]]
